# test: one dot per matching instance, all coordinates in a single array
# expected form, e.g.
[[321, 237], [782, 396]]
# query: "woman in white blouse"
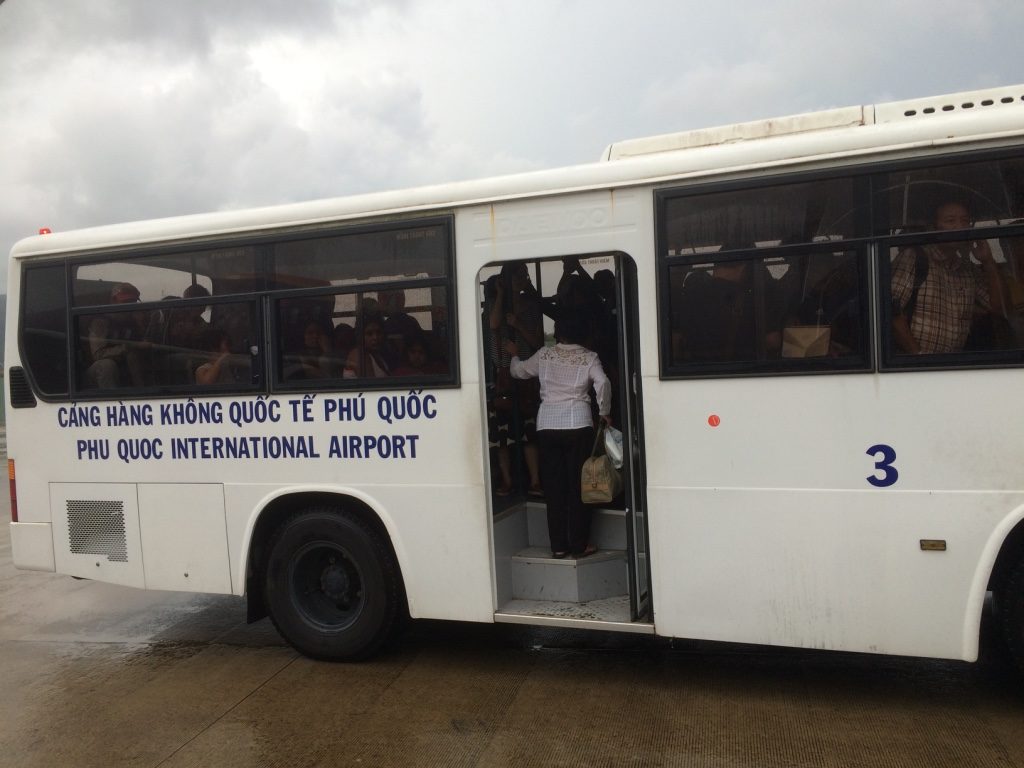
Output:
[[565, 431]]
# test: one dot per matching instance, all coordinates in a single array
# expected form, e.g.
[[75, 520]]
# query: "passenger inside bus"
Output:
[[313, 359], [417, 358], [565, 428], [342, 341], [731, 311], [116, 344], [186, 326], [515, 316], [938, 293], [398, 326], [217, 369], [832, 302], [499, 393], [367, 359]]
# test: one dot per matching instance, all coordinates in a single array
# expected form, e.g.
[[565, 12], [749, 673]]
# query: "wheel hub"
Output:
[[335, 582]]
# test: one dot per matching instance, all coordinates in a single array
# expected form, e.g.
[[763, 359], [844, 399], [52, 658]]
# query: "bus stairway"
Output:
[[536, 575]]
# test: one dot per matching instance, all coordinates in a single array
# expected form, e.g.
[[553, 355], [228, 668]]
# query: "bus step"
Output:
[[536, 575], [607, 527]]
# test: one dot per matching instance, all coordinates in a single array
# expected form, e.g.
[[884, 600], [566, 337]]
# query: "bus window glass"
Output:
[[365, 335], [181, 345], [44, 327], [156, 278], [362, 257], [771, 313], [992, 193], [766, 216]]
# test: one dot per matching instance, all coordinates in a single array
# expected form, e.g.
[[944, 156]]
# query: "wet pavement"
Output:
[[99, 675]]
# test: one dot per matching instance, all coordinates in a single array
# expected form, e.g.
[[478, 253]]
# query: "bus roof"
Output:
[[837, 135], [846, 117]]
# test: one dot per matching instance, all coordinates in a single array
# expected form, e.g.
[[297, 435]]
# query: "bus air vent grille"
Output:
[[97, 528], [21, 392]]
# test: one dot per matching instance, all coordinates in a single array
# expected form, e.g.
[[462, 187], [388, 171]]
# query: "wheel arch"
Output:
[[279, 508], [1011, 551], [1005, 547]]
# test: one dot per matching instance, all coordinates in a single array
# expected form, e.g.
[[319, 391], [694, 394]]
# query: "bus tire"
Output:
[[1010, 614], [332, 585]]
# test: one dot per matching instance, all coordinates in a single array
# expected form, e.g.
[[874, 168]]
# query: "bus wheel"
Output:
[[332, 585], [1010, 615]]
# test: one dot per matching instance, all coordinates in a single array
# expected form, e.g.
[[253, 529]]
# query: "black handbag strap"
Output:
[[598, 442]]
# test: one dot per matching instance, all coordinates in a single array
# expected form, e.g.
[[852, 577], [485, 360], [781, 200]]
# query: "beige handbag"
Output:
[[806, 340], [600, 481]]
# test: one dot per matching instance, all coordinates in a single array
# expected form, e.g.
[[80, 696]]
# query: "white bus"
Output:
[[302, 404]]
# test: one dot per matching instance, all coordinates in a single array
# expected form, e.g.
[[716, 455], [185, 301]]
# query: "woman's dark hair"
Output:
[[211, 338], [570, 329]]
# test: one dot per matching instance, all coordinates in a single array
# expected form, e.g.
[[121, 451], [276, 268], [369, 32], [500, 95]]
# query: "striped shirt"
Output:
[[942, 315]]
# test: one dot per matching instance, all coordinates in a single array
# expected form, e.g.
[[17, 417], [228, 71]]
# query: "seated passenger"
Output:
[[115, 344], [217, 370], [366, 359], [417, 359], [343, 340], [186, 326], [717, 313], [834, 303], [398, 325], [937, 291], [313, 359]]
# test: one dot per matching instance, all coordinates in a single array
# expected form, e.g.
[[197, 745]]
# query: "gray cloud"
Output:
[[115, 111]]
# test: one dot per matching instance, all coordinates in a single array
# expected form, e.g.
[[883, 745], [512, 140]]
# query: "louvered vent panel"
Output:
[[21, 392], [97, 528]]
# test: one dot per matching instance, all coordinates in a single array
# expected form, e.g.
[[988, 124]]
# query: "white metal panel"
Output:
[[184, 539], [766, 529], [105, 547], [844, 117], [32, 546], [984, 99], [821, 569]]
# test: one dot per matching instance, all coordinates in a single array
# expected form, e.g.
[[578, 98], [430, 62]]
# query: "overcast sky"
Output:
[[114, 110]]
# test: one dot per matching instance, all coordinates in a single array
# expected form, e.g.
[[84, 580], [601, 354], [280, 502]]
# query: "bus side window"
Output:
[[44, 327]]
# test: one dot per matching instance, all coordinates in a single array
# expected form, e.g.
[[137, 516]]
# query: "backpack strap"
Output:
[[920, 275]]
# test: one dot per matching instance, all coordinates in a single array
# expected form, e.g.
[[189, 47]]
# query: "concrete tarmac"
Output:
[[99, 675]]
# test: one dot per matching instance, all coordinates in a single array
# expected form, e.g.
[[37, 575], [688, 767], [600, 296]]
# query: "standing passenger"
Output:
[[516, 317], [936, 290], [565, 431]]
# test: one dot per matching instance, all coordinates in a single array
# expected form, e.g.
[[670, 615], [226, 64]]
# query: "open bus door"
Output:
[[611, 587], [634, 471]]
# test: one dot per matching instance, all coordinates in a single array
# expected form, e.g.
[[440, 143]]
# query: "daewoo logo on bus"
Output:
[[549, 223]]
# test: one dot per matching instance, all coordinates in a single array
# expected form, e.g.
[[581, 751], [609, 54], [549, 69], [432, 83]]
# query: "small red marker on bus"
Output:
[[45, 231], [713, 420]]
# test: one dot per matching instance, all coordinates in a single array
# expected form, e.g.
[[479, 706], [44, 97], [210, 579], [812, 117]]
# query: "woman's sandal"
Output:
[[590, 550], [559, 555]]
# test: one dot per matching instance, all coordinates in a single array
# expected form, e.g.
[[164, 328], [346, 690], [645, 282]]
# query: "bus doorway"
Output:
[[519, 302]]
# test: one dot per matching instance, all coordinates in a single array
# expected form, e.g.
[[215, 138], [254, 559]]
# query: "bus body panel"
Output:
[[827, 559], [797, 572]]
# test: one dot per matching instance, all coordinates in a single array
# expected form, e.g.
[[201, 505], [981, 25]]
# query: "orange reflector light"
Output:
[[14, 491]]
